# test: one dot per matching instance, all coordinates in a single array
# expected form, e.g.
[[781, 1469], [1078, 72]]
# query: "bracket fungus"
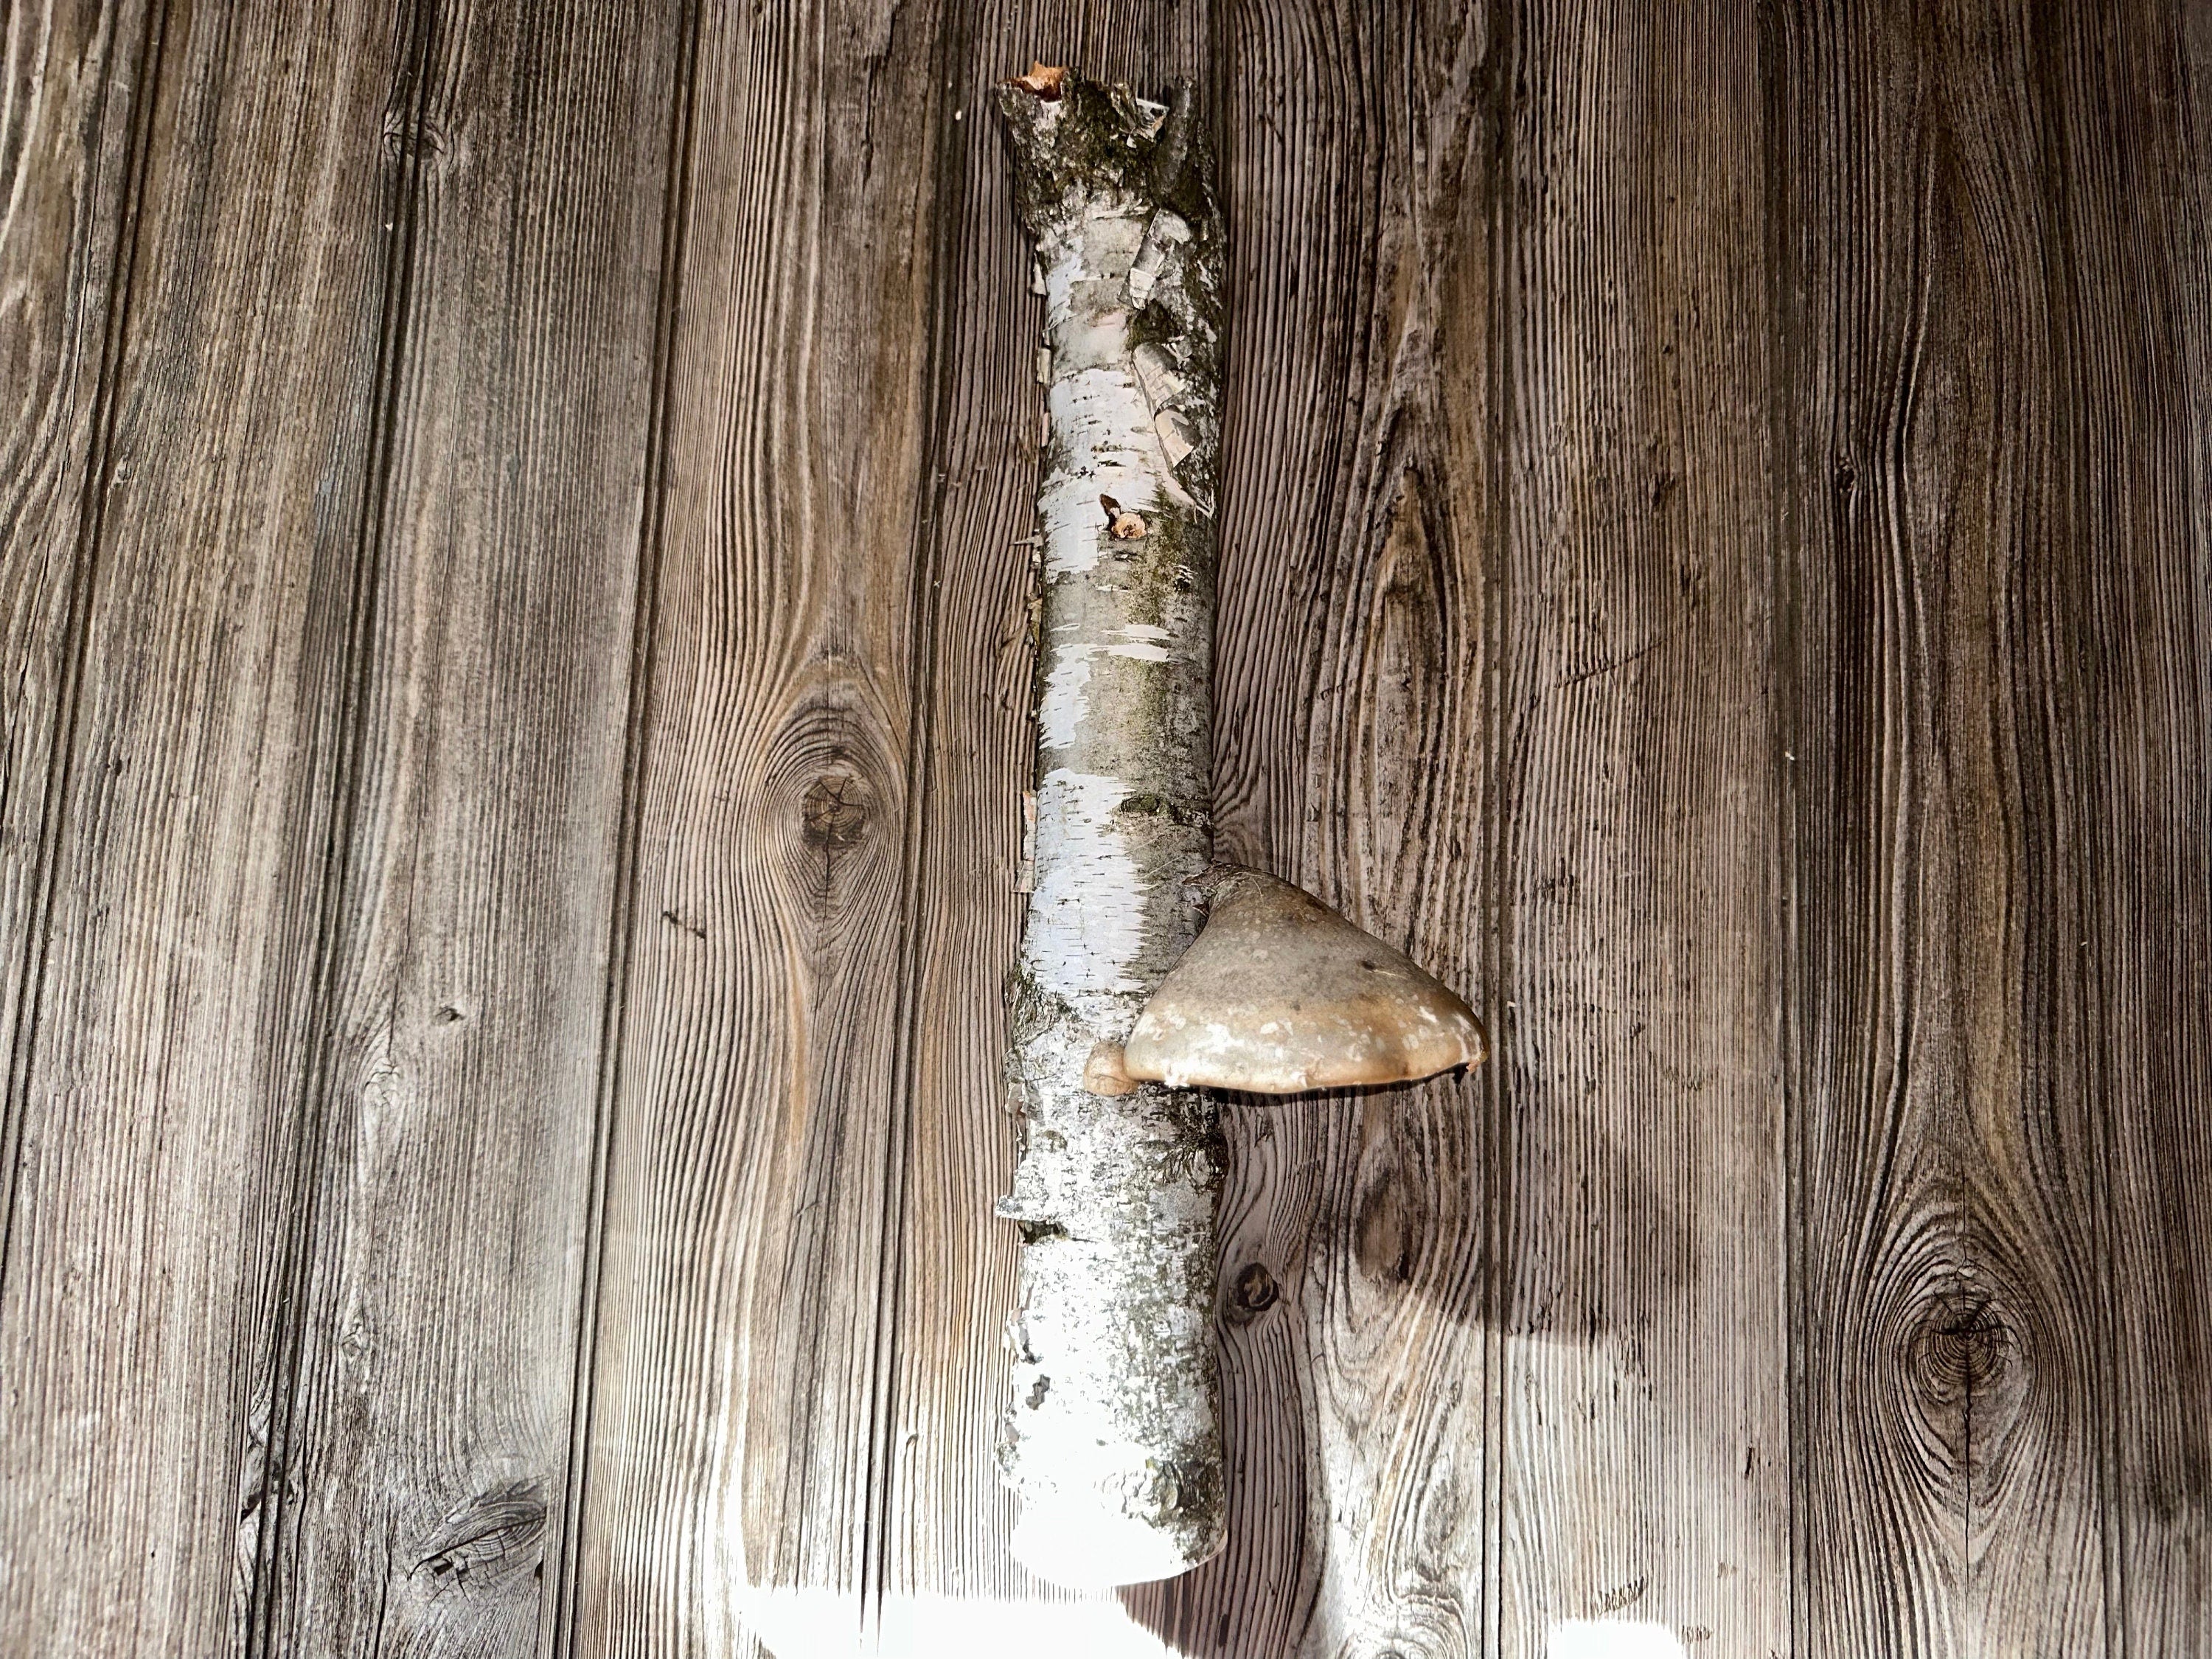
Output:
[[1280, 994]]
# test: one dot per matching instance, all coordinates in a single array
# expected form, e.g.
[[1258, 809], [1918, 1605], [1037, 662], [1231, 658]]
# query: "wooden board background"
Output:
[[511, 611]]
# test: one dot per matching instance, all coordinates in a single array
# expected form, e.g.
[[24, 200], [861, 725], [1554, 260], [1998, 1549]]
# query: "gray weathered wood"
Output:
[[169, 1023], [1453, 712], [733, 1427], [1995, 731], [1643, 1462], [68, 116], [1357, 655], [1715, 540], [2131, 783], [430, 1368]]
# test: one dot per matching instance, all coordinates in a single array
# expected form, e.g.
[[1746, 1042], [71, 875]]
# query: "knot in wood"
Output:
[[409, 136], [490, 1536], [1960, 1347], [1387, 1228], [834, 812], [1255, 1290]]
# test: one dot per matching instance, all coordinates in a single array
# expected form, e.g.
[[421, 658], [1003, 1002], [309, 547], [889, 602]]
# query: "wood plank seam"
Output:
[[1784, 316], [621, 927], [1492, 1084], [61, 764]]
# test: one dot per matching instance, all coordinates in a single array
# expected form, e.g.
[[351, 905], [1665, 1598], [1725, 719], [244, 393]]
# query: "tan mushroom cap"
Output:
[[1280, 993]]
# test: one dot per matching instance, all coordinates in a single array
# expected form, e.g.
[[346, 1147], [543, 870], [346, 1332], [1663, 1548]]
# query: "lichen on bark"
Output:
[[1111, 1433]]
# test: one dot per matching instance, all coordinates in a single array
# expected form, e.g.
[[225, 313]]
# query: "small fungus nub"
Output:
[[1121, 523], [1104, 1074], [1047, 81]]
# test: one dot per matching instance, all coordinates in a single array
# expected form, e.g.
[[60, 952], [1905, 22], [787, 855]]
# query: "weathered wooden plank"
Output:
[[1368, 738], [70, 113], [1643, 1467], [1970, 449], [734, 1386], [941, 1541], [1355, 658], [430, 1390], [2114, 656], [161, 1082], [1514, 347]]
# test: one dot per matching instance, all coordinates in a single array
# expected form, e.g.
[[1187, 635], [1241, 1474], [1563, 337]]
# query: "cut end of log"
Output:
[[1080, 1540], [1280, 994]]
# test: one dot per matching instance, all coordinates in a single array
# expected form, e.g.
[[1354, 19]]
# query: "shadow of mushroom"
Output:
[[1383, 1249]]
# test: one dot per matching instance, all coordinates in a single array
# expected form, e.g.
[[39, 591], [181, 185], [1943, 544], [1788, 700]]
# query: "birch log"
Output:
[[1112, 1439]]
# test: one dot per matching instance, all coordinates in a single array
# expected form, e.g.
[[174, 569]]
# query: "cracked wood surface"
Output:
[[513, 611]]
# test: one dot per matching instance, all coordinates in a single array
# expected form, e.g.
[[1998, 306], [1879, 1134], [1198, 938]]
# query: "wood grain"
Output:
[[1355, 636], [427, 1404], [1643, 1467], [1977, 448], [69, 126], [754, 1143], [2136, 602], [513, 620], [169, 1024]]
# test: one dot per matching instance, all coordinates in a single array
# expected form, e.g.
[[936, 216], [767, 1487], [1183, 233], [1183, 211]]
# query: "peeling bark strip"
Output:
[[1112, 1439]]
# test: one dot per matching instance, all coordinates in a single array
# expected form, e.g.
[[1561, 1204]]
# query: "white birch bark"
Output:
[[1111, 1438]]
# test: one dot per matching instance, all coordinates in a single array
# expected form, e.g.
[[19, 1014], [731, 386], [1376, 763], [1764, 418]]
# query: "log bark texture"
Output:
[[1112, 1437]]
